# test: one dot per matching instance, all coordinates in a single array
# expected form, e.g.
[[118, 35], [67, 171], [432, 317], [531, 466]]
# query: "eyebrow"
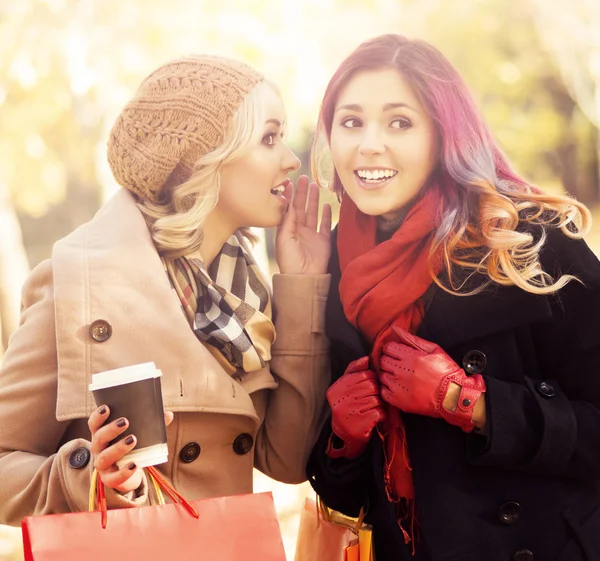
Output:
[[386, 107], [275, 122]]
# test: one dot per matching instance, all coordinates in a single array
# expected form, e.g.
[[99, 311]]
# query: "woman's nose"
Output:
[[291, 162], [371, 142]]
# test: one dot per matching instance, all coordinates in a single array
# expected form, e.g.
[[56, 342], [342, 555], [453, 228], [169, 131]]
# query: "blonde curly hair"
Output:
[[175, 224]]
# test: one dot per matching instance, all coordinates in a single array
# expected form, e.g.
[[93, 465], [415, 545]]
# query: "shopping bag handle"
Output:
[[329, 515], [98, 495]]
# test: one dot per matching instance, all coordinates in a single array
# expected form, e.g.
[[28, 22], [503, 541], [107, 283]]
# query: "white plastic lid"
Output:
[[124, 375]]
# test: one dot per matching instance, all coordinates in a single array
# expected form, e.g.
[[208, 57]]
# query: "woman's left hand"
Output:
[[418, 377], [301, 248]]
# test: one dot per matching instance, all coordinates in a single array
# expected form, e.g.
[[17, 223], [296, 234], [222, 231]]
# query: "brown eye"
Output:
[[401, 123], [269, 139], [351, 123]]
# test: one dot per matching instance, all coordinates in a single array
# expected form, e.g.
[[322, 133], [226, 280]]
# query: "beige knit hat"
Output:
[[179, 113]]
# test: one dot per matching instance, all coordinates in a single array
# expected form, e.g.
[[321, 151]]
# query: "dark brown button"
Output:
[[545, 389], [524, 555], [509, 513], [474, 362], [79, 458], [189, 452], [100, 330], [243, 444]]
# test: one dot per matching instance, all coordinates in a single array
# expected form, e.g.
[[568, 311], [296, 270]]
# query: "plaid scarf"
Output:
[[228, 306]]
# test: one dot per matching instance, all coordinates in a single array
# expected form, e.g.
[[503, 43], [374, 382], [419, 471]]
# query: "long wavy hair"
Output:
[[175, 223], [488, 209]]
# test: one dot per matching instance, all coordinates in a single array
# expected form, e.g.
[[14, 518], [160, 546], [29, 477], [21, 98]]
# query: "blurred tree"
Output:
[[48, 130], [494, 45], [13, 268], [572, 34]]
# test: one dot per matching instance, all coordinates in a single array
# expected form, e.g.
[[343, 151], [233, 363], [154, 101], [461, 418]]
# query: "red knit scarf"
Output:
[[381, 286]]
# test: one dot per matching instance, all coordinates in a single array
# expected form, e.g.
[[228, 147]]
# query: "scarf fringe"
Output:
[[405, 506]]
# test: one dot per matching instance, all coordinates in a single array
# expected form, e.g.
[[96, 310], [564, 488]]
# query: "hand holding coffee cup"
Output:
[[106, 455], [129, 427]]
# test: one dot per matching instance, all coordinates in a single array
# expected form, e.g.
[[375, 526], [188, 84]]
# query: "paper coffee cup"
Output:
[[134, 392]]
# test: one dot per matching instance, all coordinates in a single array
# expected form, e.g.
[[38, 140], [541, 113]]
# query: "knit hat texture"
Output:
[[179, 113]]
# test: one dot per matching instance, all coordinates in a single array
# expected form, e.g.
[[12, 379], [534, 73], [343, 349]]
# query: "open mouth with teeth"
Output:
[[279, 190], [375, 176]]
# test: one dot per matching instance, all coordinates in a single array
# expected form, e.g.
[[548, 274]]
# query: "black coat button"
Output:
[[474, 362], [100, 330], [509, 512], [79, 458], [545, 389], [189, 452], [243, 444], [523, 555]]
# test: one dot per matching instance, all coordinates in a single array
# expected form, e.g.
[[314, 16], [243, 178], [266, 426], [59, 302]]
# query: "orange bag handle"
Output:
[[98, 494]]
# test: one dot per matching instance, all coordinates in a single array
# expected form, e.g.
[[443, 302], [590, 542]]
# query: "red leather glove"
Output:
[[416, 374], [356, 408]]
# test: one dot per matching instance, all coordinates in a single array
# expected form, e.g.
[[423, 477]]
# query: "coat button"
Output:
[[545, 389], [189, 452], [100, 330], [524, 555], [79, 458], [243, 444], [509, 513], [474, 362]]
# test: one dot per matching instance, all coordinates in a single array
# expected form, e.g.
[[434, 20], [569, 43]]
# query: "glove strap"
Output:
[[471, 389]]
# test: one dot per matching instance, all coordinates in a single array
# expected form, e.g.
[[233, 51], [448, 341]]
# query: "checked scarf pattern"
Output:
[[229, 305]]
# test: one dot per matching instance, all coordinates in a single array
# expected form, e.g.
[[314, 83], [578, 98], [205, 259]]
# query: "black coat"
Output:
[[530, 490]]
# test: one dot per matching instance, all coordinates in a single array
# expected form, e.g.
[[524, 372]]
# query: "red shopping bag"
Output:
[[237, 528]]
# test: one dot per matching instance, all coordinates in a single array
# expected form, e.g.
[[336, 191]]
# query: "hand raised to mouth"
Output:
[[301, 246]]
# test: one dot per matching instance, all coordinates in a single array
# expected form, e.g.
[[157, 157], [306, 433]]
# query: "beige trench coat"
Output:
[[109, 270]]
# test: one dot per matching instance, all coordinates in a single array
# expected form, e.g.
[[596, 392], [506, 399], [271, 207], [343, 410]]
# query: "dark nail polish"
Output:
[[121, 423], [102, 410], [129, 440], [131, 466]]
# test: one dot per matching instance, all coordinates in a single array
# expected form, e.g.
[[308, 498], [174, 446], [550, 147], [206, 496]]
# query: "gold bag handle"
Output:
[[335, 517]]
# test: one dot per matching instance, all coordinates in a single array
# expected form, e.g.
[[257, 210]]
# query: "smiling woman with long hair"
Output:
[[464, 318]]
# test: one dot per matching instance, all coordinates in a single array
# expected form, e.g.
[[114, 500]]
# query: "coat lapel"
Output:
[[108, 269]]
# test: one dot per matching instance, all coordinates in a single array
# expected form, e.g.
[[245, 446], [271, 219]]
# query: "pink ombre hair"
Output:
[[484, 199]]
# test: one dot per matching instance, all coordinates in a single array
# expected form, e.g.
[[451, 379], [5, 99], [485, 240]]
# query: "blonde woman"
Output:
[[164, 273], [464, 318]]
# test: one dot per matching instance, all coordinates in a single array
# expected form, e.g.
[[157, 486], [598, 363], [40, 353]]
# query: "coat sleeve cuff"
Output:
[[527, 430], [299, 313], [342, 483], [76, 467]]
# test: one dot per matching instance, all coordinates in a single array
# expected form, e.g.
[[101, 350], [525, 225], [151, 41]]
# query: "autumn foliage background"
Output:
[[68, 66]]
